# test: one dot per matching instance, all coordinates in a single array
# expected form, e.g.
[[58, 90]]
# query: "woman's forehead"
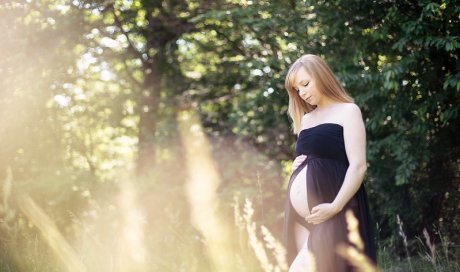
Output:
[[300, 76]]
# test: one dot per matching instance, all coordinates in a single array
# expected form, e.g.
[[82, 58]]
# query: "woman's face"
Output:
[[306, 88]]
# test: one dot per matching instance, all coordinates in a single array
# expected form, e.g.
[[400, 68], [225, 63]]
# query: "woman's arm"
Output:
[[354, 134]]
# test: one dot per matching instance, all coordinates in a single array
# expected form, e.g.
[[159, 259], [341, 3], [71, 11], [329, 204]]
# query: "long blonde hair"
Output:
[[325, 81]]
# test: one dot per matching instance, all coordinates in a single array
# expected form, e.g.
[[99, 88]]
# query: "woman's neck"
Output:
[[325, 103]]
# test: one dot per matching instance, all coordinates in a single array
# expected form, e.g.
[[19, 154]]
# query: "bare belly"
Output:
[[298, 193]]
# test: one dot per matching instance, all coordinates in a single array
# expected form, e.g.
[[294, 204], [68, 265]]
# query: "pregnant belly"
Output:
[[298, 193]]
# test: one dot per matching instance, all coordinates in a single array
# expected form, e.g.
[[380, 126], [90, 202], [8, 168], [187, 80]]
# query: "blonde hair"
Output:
[[325, 81]]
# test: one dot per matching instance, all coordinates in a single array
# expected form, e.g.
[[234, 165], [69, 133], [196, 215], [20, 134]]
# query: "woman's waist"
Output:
[[321, 157]]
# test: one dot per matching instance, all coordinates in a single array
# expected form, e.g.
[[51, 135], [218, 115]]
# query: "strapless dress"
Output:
[[322, 175]]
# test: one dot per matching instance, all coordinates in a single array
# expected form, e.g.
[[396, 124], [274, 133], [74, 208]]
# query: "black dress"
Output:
[[327, 165]]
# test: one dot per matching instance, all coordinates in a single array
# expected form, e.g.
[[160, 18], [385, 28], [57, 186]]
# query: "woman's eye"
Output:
[[305, 85]]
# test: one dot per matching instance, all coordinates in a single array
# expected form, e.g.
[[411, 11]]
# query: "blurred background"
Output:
[[148, 135]]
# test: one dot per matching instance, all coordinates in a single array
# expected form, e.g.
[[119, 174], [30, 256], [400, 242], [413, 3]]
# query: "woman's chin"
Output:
[[310, 102]]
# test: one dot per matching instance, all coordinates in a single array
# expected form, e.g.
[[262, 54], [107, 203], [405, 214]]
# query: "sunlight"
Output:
[[63, 251], [203, 181], [132, 253]]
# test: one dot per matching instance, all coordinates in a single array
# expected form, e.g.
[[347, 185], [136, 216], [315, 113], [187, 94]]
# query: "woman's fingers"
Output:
[[302, 157], [321, 213], [298, 161]]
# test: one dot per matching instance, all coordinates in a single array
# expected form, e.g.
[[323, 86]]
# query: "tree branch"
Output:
[[130, 75], [131, 46]]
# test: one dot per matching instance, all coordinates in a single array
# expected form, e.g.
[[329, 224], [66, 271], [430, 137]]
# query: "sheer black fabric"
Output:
[[327, 165]]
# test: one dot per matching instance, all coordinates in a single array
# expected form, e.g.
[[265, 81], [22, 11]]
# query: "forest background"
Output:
[[145, 135]]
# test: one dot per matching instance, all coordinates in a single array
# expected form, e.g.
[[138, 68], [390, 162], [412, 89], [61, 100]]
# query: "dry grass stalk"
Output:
[[131, 254], [403, 235], [353, 230], [239, 221], [7, 215], [254, 242], [275, 247], [355, 253], [432, 255], [50, 232], [7, 187], [201, 190], [270, 244]]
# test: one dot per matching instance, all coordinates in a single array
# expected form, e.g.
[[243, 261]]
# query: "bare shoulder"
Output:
[[305, 117], [352, 118], [351, 111], [351, 107]]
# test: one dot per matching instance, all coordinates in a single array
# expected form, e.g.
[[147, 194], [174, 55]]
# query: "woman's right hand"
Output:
[[298, 161]]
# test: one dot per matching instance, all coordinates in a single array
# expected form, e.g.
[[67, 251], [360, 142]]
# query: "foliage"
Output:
[[91, 89], [401, 65]]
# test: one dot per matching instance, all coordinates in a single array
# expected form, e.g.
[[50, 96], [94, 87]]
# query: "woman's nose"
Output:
[[302, 92]]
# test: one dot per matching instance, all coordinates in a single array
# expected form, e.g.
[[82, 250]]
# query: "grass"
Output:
[[155, 223], [108, 234], [428, 256]]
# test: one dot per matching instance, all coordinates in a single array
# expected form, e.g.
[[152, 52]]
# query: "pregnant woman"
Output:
[[328, 170]]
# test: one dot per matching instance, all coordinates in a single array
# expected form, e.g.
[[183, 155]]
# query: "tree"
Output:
[[34, 67], [398, 59], [402, 65], [151, 30]]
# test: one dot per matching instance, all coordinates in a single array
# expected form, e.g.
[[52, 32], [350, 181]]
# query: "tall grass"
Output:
[[177, 219], [36, 243], [403, 236], [354, 253], [428, 257], [201, 186]]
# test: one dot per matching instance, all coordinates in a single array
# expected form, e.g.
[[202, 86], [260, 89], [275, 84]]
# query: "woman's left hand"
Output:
[[321, 213]]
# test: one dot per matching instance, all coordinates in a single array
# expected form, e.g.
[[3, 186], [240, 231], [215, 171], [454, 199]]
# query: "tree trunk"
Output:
[[149, 101]]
